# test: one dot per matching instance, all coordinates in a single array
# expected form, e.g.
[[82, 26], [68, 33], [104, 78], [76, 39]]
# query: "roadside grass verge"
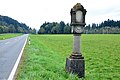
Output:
[[44, 58], [7, 36]]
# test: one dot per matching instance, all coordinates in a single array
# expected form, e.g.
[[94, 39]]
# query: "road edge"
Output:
[[11, 76]]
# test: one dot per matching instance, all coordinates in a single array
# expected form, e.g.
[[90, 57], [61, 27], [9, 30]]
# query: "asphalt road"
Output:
[[9, 52]]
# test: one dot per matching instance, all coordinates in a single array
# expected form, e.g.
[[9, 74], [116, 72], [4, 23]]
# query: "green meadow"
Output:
[[6, 36], [44, 58]]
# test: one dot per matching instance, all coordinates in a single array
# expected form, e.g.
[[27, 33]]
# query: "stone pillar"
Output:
[[75, 63], [76, 43]]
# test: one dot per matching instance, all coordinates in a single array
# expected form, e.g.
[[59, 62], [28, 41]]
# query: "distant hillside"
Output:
[[9, 25]]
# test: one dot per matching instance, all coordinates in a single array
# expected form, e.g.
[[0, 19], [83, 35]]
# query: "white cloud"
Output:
[[35, 12]]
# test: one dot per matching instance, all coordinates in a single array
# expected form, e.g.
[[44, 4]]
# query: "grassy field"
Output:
[[6, 36], [44, 58]]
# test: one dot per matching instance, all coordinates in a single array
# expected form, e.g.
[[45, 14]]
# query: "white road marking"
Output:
[[11, 76], [7, 42]]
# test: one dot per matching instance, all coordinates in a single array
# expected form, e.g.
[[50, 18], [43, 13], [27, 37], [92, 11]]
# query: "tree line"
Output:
[[54, 28], [9, 25], [106, 27]]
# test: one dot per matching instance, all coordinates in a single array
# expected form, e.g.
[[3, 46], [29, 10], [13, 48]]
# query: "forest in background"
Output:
[[9, 25], [106, 27], [54, 28]]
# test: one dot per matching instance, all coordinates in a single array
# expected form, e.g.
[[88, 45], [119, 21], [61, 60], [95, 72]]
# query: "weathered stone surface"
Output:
[[76, 66], [75, 63], [76, 44], [77, 6]]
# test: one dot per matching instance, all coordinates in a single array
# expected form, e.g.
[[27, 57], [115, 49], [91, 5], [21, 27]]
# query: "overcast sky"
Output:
[[36, 12]]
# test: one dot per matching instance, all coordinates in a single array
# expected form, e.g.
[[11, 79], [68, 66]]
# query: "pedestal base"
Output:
[[76, 66]]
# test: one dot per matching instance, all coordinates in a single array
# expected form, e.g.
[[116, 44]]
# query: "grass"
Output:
[[6, 36], [44, 58]]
